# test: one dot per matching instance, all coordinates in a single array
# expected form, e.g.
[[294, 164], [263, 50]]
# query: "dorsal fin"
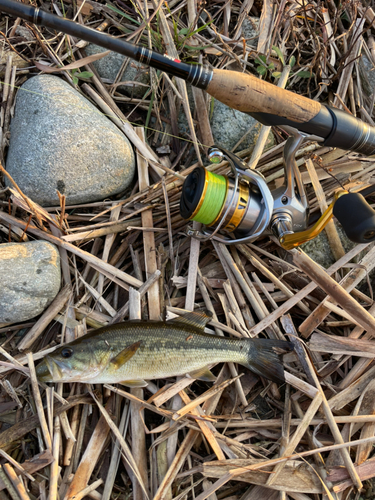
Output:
[[197, 319]]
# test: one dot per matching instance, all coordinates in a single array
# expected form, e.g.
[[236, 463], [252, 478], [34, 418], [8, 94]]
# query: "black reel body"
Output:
[[356, 217]]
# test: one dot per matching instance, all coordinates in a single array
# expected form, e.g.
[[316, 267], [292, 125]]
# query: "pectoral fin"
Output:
[[123, 356], [197, 319], [134, 383], [203, 374]]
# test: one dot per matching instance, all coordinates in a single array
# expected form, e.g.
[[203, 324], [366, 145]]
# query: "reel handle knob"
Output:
[[356, 217]]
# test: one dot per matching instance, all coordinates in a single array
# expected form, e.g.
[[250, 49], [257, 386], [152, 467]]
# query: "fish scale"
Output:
[[136, 351], [174, 351]]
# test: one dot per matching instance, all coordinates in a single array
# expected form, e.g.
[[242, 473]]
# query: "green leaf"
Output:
[[118, 11], [261, 70], [201, 28], [75, 80], [276, 74], [292, 61], [85, 74], [148, 117], [198, 47], [304, 74], [212, 105], [183, 31], [279, 54], [261, 59], [175, 29], [271, 66], [344, 17]]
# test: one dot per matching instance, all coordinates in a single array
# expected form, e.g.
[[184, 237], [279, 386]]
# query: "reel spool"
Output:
[[206, 198], [242, 206]]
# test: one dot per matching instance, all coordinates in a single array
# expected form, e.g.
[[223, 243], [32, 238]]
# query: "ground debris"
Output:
[[242, 437]]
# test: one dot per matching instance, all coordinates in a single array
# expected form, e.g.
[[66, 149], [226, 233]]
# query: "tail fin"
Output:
[[265, 361]]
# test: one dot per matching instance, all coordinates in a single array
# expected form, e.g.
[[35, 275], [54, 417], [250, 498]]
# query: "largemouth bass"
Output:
[[135, 351]]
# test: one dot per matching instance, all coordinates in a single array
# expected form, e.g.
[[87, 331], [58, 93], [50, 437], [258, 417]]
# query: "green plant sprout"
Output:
[[76, 76], [264, 67], [182, 35]]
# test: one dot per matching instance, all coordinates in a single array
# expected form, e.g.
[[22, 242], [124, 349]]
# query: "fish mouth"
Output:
[[48, 370], [52, 370]]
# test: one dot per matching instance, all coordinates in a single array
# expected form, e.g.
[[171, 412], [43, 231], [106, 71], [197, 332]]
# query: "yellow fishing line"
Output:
[[212, 199]]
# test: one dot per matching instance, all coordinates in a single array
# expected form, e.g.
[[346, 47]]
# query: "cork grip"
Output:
[[251, 95]]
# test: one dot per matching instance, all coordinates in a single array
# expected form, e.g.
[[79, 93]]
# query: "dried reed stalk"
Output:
[[90, 456]]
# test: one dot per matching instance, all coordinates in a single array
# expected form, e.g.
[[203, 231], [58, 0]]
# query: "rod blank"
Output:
[[267, 103]]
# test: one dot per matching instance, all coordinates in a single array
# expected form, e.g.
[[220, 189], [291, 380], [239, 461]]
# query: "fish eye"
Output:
[[67, 352]]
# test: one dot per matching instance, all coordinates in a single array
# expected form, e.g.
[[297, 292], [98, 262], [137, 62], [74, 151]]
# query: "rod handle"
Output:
[[250, 95]]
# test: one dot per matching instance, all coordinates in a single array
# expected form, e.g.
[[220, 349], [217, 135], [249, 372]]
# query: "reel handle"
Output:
[[356, 217]]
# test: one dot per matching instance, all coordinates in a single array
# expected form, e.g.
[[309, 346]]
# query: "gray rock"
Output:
[[110, 65], [60, 141], [25, 33], [229, 126], [367, 71], [30, 279], [319, 248], [250, 30]]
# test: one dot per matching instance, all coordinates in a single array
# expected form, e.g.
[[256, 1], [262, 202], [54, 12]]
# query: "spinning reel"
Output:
[[244, 207]]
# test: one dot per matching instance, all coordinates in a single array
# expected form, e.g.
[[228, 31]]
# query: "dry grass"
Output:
[[243, 437]]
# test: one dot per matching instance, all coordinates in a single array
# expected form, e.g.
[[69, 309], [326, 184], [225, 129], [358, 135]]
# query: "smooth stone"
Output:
[[367, 72], [319, 248], [229, 126], [250, 30], [60, 141], [110, 65], [30, 279]]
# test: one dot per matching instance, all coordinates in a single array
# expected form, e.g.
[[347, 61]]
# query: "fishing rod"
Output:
[[267, 103], [245, 206]]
